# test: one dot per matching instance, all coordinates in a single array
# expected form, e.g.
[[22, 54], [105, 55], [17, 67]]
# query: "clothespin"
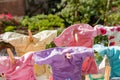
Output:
[[30, 35], [11, 55], [107, 70], [76, 37]]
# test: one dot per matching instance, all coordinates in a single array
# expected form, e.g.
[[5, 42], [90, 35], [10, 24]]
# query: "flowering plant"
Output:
[[7, 20]]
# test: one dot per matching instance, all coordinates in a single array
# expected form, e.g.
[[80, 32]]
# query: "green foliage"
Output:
[[113, 18], [51, 45], [43, 22], [94, 12], [101, 40], [83, 11], [10, 28]]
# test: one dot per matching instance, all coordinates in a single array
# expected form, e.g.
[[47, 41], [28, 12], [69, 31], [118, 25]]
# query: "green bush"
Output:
[[43, 22], [10, 28], [113, 18], [83, 11]]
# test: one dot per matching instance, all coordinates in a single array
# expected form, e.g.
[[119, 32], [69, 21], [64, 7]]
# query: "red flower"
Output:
[[112, 43], [112, 29], [111, 37], [103, 31], [118, 28]]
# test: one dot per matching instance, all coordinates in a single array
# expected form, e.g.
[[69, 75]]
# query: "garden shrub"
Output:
[[10, 28], [43, 22]]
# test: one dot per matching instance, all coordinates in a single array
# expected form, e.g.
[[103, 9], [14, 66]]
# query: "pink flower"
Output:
[[112, 43], [111, 37], [8, 16], [103, 31], [118, 28]]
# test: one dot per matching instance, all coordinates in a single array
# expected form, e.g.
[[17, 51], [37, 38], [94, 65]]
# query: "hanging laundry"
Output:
[[113, 53], [62, 67], [79, 35], [23, 44], [21, 70], [113, 33], [85, 34]]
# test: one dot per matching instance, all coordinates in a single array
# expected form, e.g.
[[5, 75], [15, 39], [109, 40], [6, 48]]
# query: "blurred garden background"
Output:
[[38, 15]]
